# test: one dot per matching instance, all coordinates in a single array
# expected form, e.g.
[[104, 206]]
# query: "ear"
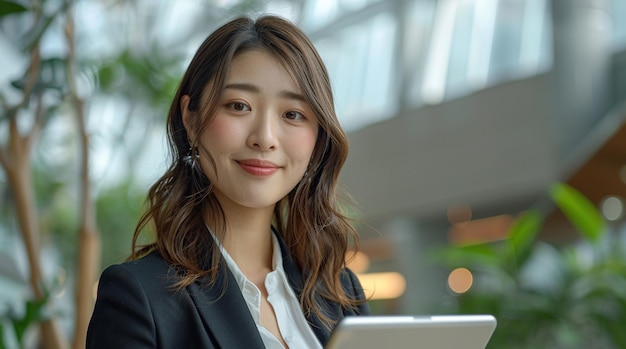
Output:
[[187, 117]]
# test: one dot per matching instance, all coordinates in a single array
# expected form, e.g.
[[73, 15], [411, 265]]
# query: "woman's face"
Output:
[[262, 135]]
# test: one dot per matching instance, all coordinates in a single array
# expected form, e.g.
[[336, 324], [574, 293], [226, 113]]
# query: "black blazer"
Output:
[[137, 308]]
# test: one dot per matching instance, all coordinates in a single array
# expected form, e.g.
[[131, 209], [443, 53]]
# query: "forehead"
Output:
[[264, 67], [260, 68]]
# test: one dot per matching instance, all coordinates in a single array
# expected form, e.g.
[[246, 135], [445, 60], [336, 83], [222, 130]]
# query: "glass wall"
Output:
[[386, 57], [618, 13], [360, 60]]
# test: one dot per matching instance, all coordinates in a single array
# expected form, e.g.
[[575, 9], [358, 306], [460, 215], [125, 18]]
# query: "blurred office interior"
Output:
[[466, 112], [460, 115]]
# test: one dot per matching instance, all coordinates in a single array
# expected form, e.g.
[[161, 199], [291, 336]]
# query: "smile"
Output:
[[258, 167]]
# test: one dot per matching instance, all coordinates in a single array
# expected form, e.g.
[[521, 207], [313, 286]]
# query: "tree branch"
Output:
[[89, 243], [33, 134]]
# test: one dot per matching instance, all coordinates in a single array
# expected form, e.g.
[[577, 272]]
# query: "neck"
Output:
[[248, 237]]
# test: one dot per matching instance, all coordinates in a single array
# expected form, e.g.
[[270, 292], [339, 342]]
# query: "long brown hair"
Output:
[[309, 219]]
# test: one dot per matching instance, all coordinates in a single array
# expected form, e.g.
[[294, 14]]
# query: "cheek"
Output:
[[218, 139], [218, 134], [304, 143]]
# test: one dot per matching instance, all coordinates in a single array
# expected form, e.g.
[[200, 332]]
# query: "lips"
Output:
[[258, 167]]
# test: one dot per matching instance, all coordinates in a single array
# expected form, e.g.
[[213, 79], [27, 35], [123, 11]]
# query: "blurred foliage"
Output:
[[34, 312], [19, 319], [149, 77], [546, 296], [136, 81], [10, 7], [118, 208]]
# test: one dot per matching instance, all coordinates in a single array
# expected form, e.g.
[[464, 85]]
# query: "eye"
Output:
[[294, 115], [238, 106]]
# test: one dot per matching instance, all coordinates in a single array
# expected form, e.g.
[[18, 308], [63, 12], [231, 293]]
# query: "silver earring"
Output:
[[192, 157]]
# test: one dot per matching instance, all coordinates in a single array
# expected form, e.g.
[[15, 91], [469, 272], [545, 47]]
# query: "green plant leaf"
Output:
[[52, 76], [10, 7], [479, 255], [521, 236], [614, 327], [34, 313], [579, 210], [33, 36], [2, 340], [523, 232]]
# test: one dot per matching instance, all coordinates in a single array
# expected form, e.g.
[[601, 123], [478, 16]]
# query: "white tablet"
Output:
[[403, 332]]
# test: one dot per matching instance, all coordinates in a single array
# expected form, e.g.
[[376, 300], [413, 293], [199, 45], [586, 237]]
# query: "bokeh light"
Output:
[[460, 280]]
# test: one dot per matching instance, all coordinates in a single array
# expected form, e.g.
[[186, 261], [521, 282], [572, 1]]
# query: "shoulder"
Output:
[[150, 271], [124, 310], [138, 306], [149, 281], [151, 264], [354, 290], [144, 282], [350, 282]]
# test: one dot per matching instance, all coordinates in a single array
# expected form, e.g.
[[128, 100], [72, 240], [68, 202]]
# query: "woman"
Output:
[[250, 242]]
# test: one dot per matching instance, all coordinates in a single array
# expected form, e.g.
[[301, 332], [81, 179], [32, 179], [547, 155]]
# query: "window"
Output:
[[478, 43], [384, 58], [320, 12], [360, 60], [618, 12], [522, 44]]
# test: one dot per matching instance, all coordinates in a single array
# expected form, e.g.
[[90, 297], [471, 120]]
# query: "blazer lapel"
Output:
[[225, 313], [227, 317]]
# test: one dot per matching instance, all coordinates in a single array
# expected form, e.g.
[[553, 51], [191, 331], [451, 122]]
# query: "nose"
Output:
[[263, 133]]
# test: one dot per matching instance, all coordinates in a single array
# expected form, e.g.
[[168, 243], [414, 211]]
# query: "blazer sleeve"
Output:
[[122, 315]]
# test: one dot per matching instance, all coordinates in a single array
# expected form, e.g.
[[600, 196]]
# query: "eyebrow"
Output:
[[255, 89]]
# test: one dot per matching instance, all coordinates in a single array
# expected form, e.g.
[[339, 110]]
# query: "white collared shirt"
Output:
[[291, 321]]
